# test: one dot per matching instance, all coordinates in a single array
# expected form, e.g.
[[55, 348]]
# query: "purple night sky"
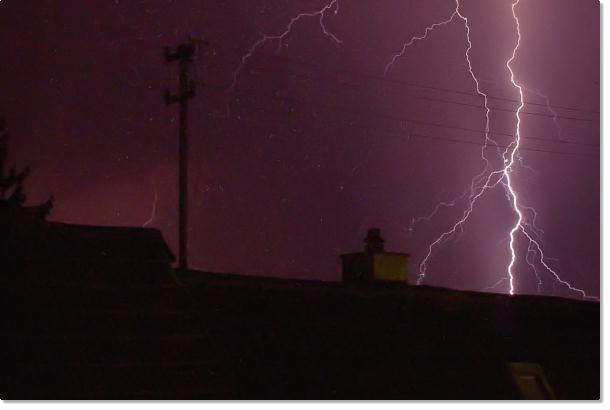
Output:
[[315, 144]]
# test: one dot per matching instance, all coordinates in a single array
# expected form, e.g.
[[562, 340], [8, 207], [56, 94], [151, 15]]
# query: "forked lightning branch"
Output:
[[489, 178]]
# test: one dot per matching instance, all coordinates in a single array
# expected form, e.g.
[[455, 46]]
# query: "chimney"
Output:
[[374, 264], [373, 240]]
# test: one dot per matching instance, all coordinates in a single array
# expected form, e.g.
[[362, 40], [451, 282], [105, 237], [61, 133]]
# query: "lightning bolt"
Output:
[[550, 108], [482, 181], [490, 178], [153, 208], [332, 6], [554, 118], [413, 39], [448, 204], [510, 160]]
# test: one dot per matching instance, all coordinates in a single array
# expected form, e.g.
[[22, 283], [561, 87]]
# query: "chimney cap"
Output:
[[374, 241]]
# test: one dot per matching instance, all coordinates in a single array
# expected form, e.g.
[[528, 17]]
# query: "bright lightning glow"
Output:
[[320, 14], [508, 165], [489, 178]]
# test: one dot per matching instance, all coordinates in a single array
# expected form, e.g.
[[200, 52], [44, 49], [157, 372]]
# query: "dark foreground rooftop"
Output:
[[235, 337]]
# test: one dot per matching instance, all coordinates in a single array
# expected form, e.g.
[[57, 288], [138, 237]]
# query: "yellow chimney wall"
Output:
[[390, 267]]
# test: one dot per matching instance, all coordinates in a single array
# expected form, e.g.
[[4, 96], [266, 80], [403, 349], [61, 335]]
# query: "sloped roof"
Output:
[[67, 241]]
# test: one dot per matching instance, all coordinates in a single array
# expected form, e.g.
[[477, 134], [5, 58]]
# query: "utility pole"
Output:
[[183, 54]]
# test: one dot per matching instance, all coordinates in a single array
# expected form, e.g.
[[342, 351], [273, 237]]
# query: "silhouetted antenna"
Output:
[[184, 54]]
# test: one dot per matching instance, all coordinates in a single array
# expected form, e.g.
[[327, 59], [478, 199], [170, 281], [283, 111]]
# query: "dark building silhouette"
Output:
[[226, 336], [56, 253], [35, 251], [90, 255], [92, 313]]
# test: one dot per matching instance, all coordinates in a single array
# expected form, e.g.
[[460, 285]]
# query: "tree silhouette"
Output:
[[12, 196]]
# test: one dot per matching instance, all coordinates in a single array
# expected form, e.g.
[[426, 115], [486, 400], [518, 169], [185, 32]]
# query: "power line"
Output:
[[407, 135], [447, 90], [432, 99], [409, 120], [296, 62]]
